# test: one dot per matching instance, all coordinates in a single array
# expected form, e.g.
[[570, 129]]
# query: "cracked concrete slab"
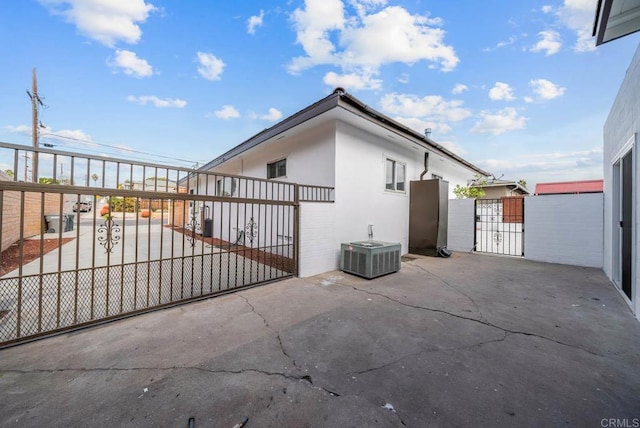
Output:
[[470, 340]]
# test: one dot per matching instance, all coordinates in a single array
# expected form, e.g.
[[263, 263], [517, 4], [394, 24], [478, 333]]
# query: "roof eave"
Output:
[[609, 26], [410, 132], [303, 115], [322, 106]]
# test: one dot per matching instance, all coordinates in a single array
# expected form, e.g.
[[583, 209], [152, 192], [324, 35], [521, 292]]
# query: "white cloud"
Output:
[[577, 15], [394, 35], [420, 124], [549, 43], [546, 8], [312, 26], [130, 64], [352, 81], [364, 6], [431, 111], [210, 67], [272, 116], [70, 137], [501, 91], [545, 89], [368, 39], [454, 147], [106, 21], [157, 102], [528, 99], [511, 40], [226, 112], [428, 106], [67, 134], [49, 133], [497, 123], [19, 129], [459, 88], [556, 166], [255, 22], [404, 78]]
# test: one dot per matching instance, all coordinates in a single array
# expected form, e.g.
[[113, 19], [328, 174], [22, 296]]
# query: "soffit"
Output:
[[615, 19]]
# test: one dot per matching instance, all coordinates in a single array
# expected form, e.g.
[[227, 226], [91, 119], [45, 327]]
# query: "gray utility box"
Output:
[[370, 259], [53, 222]]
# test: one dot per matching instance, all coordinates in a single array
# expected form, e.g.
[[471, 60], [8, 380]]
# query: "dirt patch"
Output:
[[286, 264], [30, 252]]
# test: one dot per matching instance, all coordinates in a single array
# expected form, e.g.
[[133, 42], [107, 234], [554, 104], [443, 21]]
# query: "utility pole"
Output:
[[26, 166], [35, 102]]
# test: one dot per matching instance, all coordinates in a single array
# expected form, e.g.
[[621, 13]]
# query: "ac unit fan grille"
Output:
[[370, 259]]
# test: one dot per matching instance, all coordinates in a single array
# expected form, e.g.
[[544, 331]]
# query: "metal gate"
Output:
[[499, 226], [115, 238]]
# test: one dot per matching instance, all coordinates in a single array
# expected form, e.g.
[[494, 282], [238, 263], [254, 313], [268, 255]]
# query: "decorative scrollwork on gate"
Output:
[[108, 234], [193, 226], [251, 230], [497, 238]]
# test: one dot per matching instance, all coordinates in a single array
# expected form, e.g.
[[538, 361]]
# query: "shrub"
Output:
[[120, 204]]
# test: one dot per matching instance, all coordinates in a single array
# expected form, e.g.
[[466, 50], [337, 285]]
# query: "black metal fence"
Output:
[[93, 246], [499, 226]]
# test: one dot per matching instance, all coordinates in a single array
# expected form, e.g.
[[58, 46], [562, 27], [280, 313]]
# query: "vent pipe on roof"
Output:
[[426, 164]]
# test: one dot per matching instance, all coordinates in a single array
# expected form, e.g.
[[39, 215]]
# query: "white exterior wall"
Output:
[[310, 158], [564, 229], [361, 198], [353, 161], [318, 250], [621, 132], [460, 225]]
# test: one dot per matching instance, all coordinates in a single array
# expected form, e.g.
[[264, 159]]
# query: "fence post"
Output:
[[296, 228], [475, 226]]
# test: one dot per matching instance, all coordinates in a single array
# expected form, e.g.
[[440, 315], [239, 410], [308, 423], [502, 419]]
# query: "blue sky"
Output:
[[516, 87]]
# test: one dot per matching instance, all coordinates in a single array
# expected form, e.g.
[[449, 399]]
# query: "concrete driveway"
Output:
[[467, 341]]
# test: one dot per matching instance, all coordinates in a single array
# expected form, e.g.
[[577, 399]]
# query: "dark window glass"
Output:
[[277, 169], [389, 176]]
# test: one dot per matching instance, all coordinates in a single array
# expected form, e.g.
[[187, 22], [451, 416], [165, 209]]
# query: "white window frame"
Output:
[[227, 186], [276, 162], [394, 177]]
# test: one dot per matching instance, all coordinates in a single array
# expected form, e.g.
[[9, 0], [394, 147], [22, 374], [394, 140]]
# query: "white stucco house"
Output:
[[616, 19], [366, 156]]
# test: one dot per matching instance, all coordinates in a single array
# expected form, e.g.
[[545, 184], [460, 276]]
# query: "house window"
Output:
[[436, 177], [395, 176], [277, 169], [226, 186]]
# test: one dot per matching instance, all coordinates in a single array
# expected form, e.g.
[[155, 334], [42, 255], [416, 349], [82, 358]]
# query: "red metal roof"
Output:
[[563, 187]]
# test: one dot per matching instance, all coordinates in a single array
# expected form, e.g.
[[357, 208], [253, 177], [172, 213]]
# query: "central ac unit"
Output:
[[370, 259]]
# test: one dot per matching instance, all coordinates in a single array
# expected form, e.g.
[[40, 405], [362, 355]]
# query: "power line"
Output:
[[120, 148], [132, 157]]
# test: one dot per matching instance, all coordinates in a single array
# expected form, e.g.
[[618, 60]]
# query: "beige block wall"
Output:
[[34, 223]]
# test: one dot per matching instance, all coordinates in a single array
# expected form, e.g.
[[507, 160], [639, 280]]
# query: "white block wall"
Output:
[[461, 224], [319, 245], [566, 229]]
